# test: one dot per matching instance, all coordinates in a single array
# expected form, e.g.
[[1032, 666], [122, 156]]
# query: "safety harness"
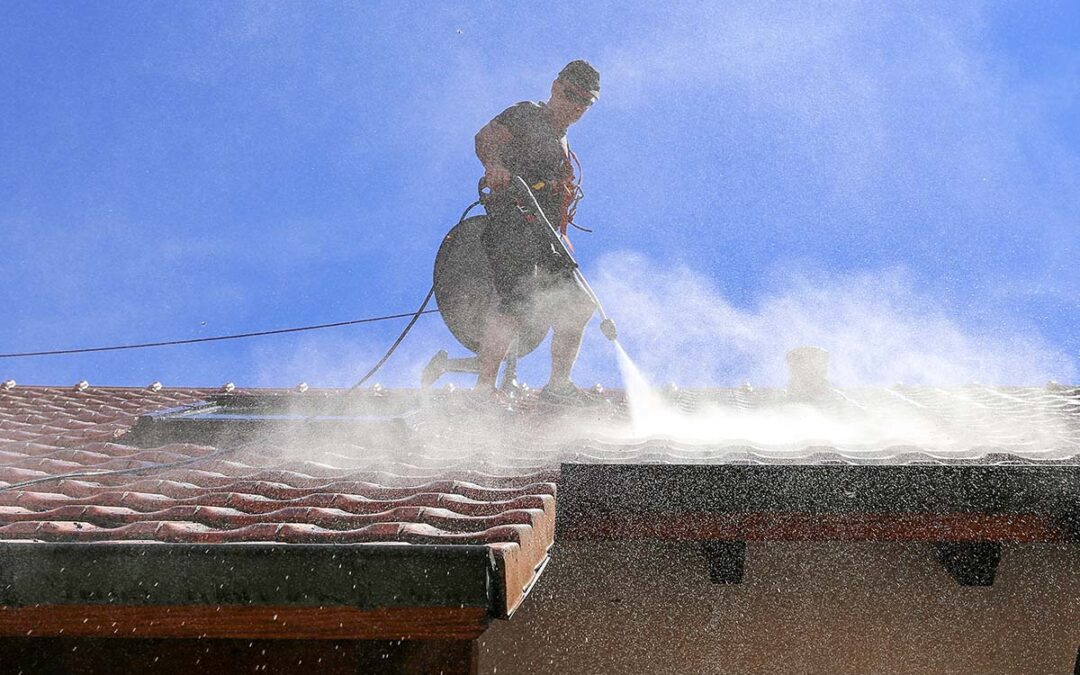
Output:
[[571, 194]]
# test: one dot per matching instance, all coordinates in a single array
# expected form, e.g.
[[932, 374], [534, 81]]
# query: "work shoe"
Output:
[[434, 369], [488, 400], [570, 394]]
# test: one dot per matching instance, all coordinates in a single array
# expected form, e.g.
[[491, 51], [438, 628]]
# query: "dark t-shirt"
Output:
[[520, 255], [536, 152]]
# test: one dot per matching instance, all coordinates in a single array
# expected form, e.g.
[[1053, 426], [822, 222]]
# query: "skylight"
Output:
[[237, 418]]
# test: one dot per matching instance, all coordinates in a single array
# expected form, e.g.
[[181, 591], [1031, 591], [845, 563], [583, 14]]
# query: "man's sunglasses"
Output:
[[575, 96]]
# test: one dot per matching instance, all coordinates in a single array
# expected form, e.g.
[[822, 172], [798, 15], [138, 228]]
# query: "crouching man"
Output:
[[531, 277]]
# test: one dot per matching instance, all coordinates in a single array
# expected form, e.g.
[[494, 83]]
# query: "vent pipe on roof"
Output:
[[808, 369]]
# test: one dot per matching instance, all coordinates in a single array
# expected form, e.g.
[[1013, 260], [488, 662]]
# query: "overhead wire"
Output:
[[216, 338]]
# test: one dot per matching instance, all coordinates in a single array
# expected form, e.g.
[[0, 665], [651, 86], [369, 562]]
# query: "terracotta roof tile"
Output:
[[454, 486], [267, 492]]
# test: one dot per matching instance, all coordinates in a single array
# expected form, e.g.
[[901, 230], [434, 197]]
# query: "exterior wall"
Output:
[[803, 608]]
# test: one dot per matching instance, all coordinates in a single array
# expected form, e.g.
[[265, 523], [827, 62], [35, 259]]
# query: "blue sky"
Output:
[[894, 181]]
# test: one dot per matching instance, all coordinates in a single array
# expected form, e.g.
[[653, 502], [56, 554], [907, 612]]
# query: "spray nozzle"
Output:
[[607, 327]]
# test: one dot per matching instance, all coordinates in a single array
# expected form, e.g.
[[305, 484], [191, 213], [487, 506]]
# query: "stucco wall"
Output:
[[803, 608]]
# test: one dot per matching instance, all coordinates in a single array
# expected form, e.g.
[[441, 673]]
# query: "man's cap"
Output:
[[582, 76]]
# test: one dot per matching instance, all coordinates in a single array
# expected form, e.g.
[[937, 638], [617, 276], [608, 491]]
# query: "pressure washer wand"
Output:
[[607, 326]]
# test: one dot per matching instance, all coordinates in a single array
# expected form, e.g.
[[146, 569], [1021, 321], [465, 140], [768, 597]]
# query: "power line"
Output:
[[169, 343]]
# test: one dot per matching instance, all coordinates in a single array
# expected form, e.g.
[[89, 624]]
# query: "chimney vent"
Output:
[[808, 369]]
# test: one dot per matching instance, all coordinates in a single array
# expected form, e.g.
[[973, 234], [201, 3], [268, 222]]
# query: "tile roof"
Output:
[[334, 494], [452, 481], [463, 476], [261, 492]]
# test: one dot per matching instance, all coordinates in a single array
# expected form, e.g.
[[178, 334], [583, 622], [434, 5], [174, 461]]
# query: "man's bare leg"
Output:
[[500, 331], [565, 345]]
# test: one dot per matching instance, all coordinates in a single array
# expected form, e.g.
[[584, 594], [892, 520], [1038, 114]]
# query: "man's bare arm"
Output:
[[489, 144]]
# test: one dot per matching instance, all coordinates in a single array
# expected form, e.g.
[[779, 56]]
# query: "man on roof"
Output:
[[531, 278]]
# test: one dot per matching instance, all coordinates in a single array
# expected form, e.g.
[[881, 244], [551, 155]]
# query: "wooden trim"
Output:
[[698, 526], [101, 656], [446, 657], [244, 621]]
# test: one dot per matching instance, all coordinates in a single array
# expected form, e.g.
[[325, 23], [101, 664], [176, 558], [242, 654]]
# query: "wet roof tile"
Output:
[[456, 485], [266, 492]]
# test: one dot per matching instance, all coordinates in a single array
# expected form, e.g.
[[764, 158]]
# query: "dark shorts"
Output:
[[529, 275]]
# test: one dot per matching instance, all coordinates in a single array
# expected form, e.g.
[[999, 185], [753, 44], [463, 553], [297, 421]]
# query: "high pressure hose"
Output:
[[607, 325], [412, 321]]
